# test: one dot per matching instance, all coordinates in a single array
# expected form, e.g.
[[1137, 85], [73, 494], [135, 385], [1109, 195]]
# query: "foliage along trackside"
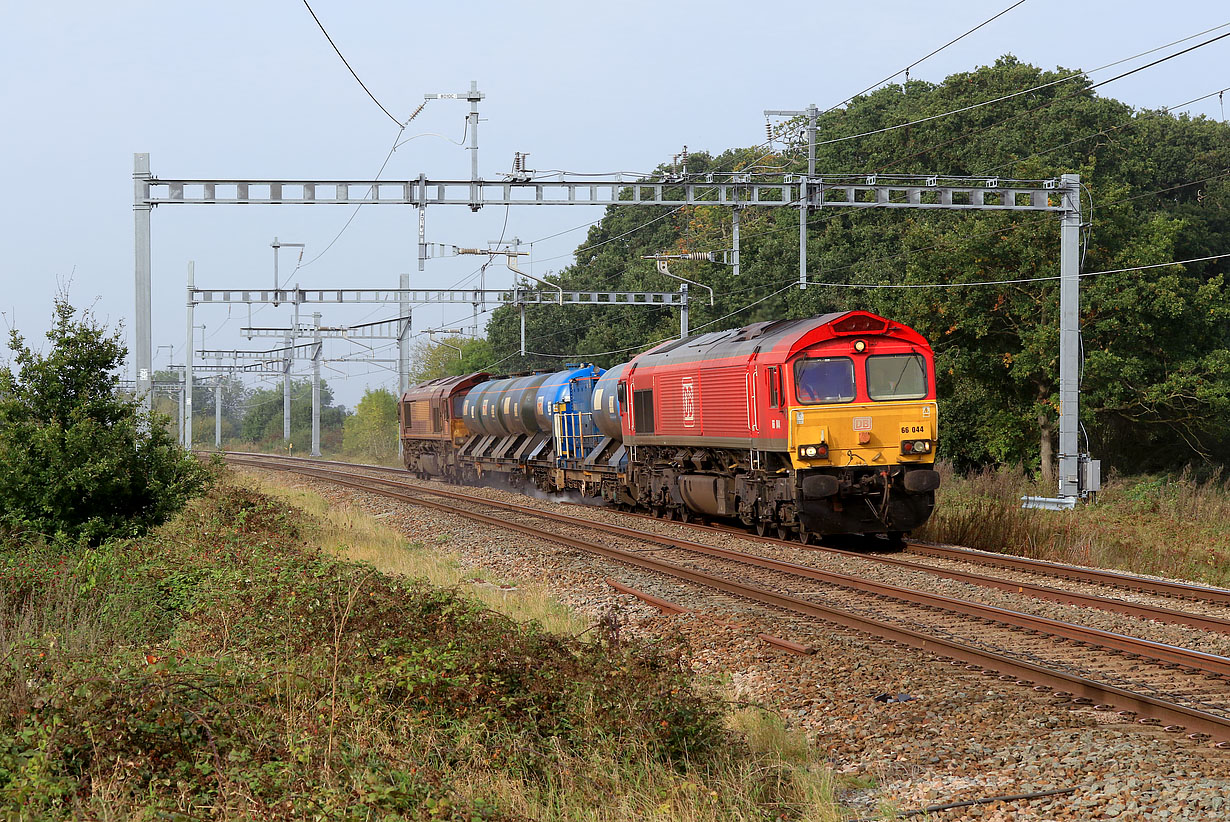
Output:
[[78, 462], [1176, 526], [221, 667], [263, 421]]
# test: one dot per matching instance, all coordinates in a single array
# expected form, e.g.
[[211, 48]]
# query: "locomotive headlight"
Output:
[[860, 346], [814, 452], [911, 447]]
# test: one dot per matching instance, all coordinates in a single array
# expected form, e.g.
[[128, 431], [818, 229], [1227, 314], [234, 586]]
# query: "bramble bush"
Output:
[[257, 677], [77, 461]]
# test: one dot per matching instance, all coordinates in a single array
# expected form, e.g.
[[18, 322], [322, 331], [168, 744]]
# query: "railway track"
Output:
[[1037, 568], [1095, 576], [1182, 689], [1215, 599]]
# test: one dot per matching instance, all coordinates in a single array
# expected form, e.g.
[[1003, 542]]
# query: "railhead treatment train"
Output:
[[798, 428]]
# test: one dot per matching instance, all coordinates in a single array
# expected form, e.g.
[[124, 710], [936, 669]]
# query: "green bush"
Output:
[[265, 679], [77, 461]]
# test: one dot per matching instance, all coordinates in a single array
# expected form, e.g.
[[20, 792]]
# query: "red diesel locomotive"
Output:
[[797, 427]]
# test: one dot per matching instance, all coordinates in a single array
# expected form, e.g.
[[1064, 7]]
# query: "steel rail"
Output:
[[1045, 592], [1179, 717], [1041, 567]]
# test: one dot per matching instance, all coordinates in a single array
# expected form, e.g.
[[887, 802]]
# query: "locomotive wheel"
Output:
[[783, 532], [762, 527], [808, 537]]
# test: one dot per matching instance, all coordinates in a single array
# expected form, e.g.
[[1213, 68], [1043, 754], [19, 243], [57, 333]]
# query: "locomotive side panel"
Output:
[[675, 400], [725, 402]]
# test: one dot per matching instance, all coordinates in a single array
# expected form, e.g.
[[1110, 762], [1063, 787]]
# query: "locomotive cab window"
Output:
[[896, 377], [775, 387], [824, 380], [623, 397], [642, 411]]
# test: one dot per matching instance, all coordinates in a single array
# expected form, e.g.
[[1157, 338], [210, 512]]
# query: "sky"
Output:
[[254, 90]]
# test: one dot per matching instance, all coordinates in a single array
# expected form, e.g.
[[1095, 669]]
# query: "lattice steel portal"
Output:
[[735, 190]]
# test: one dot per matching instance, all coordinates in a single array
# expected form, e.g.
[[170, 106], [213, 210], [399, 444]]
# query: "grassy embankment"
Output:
[[1170, 526], [239, 663]]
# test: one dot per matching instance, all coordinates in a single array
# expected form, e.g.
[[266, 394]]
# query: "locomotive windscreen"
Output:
[[896, 377], [824, 379]]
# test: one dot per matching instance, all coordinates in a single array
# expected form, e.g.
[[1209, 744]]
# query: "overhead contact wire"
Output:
[[346, 62]]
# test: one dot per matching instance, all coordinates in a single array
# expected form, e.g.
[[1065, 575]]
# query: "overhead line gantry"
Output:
[[736, 190]]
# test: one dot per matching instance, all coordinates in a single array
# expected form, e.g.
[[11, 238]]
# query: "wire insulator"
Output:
[[416, 113]]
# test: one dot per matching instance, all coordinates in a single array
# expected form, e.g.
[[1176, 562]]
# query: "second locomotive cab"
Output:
[[799, 428]]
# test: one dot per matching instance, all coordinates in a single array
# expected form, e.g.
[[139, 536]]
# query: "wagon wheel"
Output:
[[784, 532], [762, 527], [656, 511], [685, 514], [808, 537]]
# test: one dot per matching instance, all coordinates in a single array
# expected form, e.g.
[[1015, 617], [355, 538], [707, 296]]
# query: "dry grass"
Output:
[[1176, 526], [782, 763], [355, 535]]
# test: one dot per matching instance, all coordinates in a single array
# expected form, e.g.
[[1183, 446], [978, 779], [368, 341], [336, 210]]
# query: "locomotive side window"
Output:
[[775, 389], [896, 377], [824, 380], [642, 411], [623, 397]]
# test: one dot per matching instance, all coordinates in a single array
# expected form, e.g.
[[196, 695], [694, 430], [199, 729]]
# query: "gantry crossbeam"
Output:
[[715, 189], [201, 296]]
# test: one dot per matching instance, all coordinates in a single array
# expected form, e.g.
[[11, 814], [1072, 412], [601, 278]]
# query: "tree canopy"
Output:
[[1156, 189], [263, 415]]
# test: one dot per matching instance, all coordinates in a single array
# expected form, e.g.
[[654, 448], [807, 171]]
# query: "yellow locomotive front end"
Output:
[[863, 431]]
